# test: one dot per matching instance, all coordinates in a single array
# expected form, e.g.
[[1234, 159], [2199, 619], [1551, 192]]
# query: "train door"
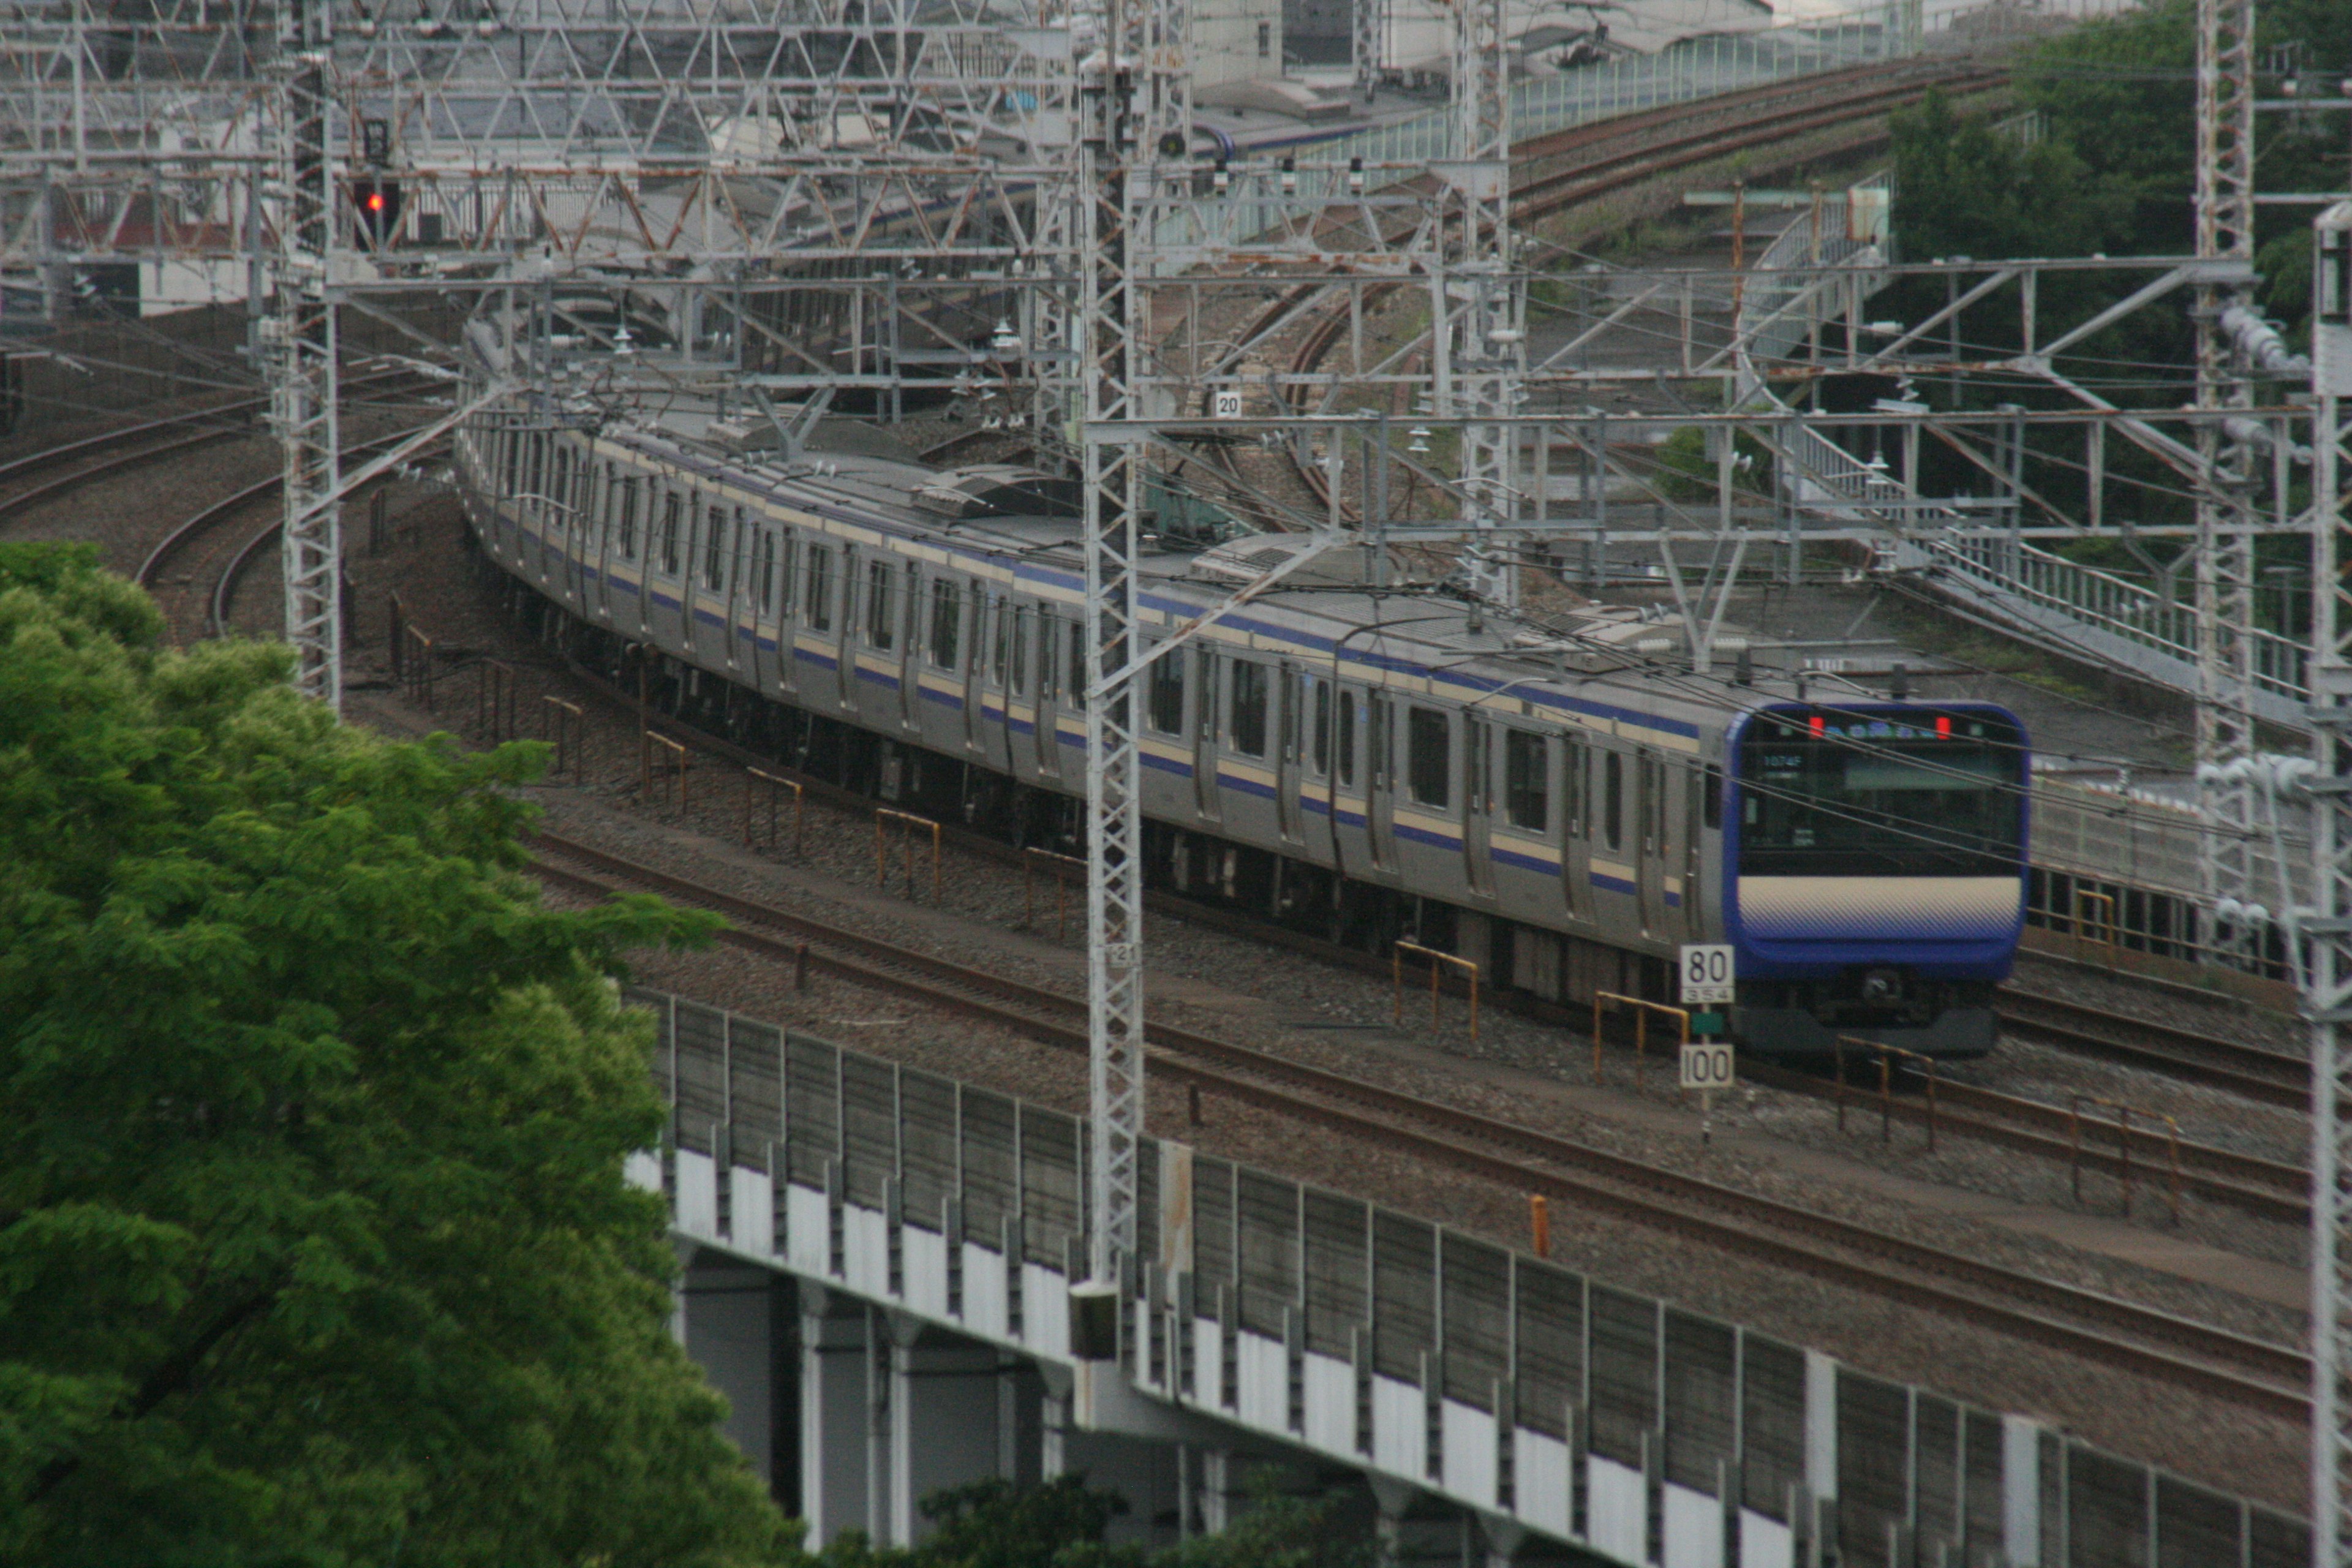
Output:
[[1379, 781], [788, 564], [845, 667], [1478, 802], [1205, 709], [736, 575], [1290, 704], [1575, 825], [1650, 841], [974, 652], [1049, 680], [1695, 813], [910, 651]]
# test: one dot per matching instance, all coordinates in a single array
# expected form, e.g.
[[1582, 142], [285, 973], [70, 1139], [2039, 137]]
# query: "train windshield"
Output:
[[1837, 793]]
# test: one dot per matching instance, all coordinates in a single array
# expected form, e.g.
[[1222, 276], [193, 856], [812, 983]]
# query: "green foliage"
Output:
[[314, 1248], [1062, 1523], [1969, 190], [1686, 473]]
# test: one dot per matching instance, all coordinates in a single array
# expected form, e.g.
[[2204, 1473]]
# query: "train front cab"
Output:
[[1874, 874]]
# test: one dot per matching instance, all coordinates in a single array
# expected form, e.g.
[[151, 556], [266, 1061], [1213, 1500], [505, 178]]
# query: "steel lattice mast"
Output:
[[2224, 562], [2328, 997], [1139, 129], [296, 349], [1480, 304]]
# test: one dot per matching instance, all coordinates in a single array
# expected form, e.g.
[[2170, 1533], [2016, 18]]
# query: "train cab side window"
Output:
[[1612, 799], [1428, 735], [947, 624], [1526, 779], [1343, 741], [881, 612], [1711, 793], [673, 523], [1246, 709], [714, 550], [1165, 707], [820, 588], [1319, 748]]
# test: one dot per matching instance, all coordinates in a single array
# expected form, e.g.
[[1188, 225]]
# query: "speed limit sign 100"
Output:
[[1707, 974]]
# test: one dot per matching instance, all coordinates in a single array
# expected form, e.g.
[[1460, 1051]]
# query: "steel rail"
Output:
[[114, 462], [2247, 1371], [2271, 1077]]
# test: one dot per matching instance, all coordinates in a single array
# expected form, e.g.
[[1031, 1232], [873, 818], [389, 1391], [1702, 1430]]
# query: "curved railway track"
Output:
[[2250, 1372], [1565, 169], [199, 534], [93, 458]]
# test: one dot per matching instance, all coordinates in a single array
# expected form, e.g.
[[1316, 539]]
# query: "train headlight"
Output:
[[1882, 986]]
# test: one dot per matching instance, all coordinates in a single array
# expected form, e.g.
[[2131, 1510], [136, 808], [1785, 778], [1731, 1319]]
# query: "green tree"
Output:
[[314, 1246]]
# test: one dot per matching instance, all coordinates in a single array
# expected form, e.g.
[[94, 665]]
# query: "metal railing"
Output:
[[1433, 1349], [1438, 964], [1612, 1000]]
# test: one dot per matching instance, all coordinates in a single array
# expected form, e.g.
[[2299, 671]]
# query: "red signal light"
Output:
[[375, 201], [1821, 724], [1943, 727]]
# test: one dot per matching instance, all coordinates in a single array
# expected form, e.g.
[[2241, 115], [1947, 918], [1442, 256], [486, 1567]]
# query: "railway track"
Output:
[[2258, 1187], [1566, 169], [198, 535], [2267, 1076], [2250, 1372], [94, 458]]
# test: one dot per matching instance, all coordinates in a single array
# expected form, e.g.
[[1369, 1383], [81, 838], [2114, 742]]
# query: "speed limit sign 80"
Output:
[[1707, 974]]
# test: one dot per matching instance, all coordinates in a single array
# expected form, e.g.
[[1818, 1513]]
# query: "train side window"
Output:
[[1246, 708], [1378, 759], [559, 494], [1343, 725], [1526, 779], [1078, 693], [626, 502], [1653, 804], [1572, 778], [1019, 639], [999, 638], [1711, 793], [1165, 707], [509, 460], [673, 522], [1613, 802], [1046, 674], [1320, 747], [714, 550], [947, 624], [763, 570], [820, 588], [880, 609], [1428, 735], [787, 575]]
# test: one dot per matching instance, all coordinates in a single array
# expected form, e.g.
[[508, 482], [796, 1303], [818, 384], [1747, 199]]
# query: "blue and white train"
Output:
[[1559, 799]]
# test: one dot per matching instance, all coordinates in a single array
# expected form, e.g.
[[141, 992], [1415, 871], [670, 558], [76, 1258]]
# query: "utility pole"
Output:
[[2224, 562], [2328, 1001], [295, 346]]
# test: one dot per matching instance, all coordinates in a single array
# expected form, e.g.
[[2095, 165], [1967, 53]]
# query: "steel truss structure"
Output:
[[2224, 562]]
